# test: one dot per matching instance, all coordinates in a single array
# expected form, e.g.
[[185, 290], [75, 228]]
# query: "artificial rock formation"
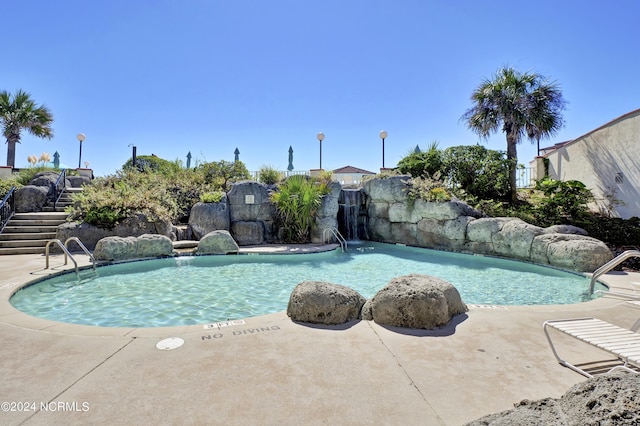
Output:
[[608, 399], [453, 225], [324, 303], [326, 216], [207, 217], [125, 248], [136, 225], [251, 213], [415, 301], [217, 242]]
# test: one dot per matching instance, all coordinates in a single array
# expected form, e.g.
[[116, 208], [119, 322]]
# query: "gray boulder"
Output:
[[217, 242], [47, 179], [248, 233], [417, 301], [324, 303], [115, 248], [390, 188], [154, 245], [124, 248], [568, 251], [31, 198], [514, 239], [207, 217], [78, 181], [326, 216], [608, 399], [249, 201]]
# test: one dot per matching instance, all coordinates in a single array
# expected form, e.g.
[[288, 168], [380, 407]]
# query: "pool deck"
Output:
[[270, 370]]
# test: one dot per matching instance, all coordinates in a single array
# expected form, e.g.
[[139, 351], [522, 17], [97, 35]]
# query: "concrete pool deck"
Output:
[[270, 370]]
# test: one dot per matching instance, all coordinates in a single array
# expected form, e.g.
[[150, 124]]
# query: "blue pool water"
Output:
[[198, 290]]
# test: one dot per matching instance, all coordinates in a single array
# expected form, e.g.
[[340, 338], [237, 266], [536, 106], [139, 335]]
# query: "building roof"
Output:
[[351, 169], [553, 148]]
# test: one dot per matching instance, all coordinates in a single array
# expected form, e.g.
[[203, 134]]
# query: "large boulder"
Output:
[[124, 248], [515, 238], [207, 217], [217, 242], [608, 399], [324, 303], [48, 179], [417, 301], [389, 188], [570, 251], [31, 198]]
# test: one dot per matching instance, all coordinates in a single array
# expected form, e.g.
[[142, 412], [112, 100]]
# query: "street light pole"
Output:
[[320, 138], [81, 137], [383, 136]]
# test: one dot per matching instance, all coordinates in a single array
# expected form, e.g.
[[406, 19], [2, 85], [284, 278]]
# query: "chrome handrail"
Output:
[[337, 235], [84, 249], [66, 255], [610, 265]]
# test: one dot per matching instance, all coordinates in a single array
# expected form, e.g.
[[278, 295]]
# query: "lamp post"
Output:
[[81, 137], [320, 139], [383, 136]]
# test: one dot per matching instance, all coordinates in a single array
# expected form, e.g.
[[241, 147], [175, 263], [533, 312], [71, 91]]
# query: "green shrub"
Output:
[[564, 201], [212, 197], [480, 172], [153, 163], [426, 163], [297, 201], [427, 188], [269, 175]]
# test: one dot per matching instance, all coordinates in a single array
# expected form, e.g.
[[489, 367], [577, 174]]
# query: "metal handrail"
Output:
[[337, 235], [84, 249], [56, 196], [610, 265], [8, 203], [66, 255]]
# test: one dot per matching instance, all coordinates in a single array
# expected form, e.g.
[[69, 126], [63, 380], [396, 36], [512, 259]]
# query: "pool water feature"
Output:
[[205, 289]]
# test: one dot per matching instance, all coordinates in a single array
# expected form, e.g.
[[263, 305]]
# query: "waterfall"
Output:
[[351, 215]]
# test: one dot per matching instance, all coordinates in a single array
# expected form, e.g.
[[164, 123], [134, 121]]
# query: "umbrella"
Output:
[[290, 166]]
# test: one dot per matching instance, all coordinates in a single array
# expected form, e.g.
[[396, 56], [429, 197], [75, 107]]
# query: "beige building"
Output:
[[349, 175], [606, 160]]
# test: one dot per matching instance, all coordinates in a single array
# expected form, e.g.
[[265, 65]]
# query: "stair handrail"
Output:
[[66, 255], [610, 265], [83, 247], [7, 208], [56, 196], [337, 235]]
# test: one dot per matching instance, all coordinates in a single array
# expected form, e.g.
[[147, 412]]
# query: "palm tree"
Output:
[[523, 104], [20, 112]]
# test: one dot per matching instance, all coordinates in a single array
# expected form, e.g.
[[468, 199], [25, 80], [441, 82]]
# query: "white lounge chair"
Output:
[[622, 343]]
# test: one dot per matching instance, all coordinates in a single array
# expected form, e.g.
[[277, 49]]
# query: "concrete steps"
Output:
[[28, 233]]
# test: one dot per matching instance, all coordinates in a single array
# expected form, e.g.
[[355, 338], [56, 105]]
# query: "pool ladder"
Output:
[[67, 254], [327, 232]]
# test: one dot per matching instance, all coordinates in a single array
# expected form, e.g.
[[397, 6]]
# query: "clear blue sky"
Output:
[[208, 76]]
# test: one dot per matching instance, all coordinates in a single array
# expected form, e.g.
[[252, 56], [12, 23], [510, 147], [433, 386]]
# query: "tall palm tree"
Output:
[[524, 104], [19, 112]]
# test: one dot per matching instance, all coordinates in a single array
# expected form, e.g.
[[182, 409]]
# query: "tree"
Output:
[[422, 163], [224, 173], [523, 104], [19, 112]]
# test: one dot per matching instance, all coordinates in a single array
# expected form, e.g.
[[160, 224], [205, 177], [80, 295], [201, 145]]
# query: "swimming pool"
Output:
[[205, 289]]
